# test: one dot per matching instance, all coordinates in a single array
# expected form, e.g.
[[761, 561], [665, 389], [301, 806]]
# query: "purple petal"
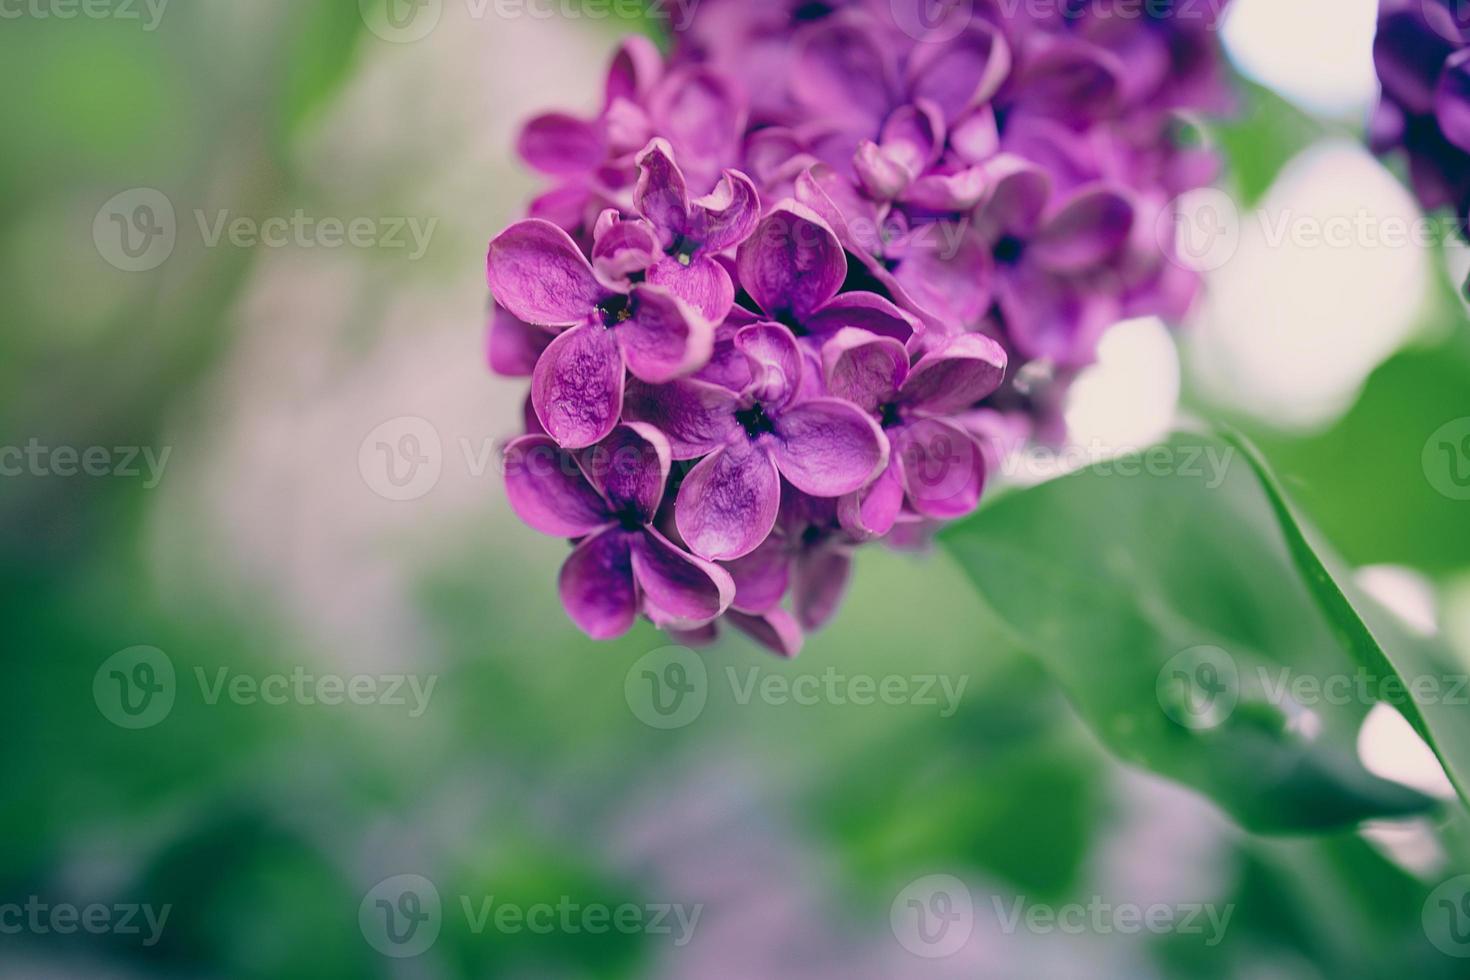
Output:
[[1452, 100], [1089, 230], [635, 67], [862, 368], [662, 196], [537, 273], [914, 136], [664, 338], [961, 73], [871, 512], [1072, 81], [947, 192], [703, 284], [1019, 194], [842, 70], [761, 576], [728, 215], [623, 248], [867, 311], [822, 574], [679, 590], [849, 214], [727, 367], [775, 362], [728, 502], [515, 345], [775, 629], [562, 145], [1409, 55], [597, 587], [955, 376], [942, 467], [977, 137], [548, 490], [1048, 316], [696, 416], [793, 264], [578, 386], [947, 267], [882, 175], [630, 468], [827, 447], [698, 110]]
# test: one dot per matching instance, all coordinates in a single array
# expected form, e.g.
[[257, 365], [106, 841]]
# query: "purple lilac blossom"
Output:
[[1422, 52], [807, 279]]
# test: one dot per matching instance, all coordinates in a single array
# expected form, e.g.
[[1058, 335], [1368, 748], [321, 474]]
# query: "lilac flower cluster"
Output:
[[1422, 52], [798, 285]]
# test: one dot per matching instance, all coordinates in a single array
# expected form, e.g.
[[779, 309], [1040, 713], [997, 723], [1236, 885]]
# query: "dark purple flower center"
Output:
[[1008, 250], [615, 310], [682, 250], [808, 12], [630, 519], [754, 420], [889, 416]]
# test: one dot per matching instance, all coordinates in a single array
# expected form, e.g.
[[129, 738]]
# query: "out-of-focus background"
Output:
[[273, 640]]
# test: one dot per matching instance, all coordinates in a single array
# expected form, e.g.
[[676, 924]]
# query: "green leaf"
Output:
[[1161, 593]]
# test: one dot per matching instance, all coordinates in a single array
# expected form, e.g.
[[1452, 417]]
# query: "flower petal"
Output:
[[679, 590], [775, 362], [1409, 54], [1452, 101], [947, 267], [871, 512], [661, 195], [947, 192], [728, 502], [775, 629], [635, 66], [630, 468], [867, 311], [862, 368], [665, 338], [696, 416], [1088, 230], [827, 447], [702, 116], [562, 145], [596, 585], [622, 249], [822, 573], [942, 467], [537, 273], [962, 72], [515, 345], [956, 375], [793, 263], [882, 175], [728, 215], [842, 70], [578, 386], [548, 490], [914, 136], [703, 284], [761, 576]]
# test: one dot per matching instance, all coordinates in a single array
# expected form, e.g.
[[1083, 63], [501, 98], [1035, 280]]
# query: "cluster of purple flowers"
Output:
[[798, 285], [1422, 52]]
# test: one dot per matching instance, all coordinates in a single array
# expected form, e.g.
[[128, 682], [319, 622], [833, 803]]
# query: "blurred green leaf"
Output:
[[1159, 591]]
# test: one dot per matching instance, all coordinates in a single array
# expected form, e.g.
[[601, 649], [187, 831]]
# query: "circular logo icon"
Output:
[[932, 21], [401, 916], [135, 688], [942, 466], [401, 21], [667, 688], [1199, 687], [136, 231], [933, 917], [1446, 917], [1446, 459], [1450, 19], [1200, 230], [402, 459]]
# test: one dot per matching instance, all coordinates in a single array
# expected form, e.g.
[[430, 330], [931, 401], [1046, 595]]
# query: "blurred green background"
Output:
[[265, 544]]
